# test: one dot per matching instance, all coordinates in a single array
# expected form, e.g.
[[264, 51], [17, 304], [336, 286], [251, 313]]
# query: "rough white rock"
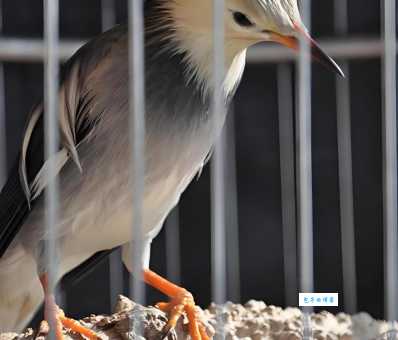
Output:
[[253, 321]]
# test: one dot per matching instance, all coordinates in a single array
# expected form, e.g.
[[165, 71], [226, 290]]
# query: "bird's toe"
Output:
[[77, 327], [176, 308], [60, 321]]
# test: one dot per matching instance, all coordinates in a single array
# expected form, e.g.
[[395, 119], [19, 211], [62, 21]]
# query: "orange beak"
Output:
[[316, 52]]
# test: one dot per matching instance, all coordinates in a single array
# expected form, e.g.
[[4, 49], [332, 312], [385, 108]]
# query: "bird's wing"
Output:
[[27, 179], [13, 202], [77, 124]]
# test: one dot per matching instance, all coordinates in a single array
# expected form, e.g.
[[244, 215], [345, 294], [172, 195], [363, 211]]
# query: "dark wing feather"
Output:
[[14, 207]]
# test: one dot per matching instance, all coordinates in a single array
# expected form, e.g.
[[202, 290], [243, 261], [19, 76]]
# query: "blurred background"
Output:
[[256, 149]]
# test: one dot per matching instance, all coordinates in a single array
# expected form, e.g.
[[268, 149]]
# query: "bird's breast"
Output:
[[171, 163]]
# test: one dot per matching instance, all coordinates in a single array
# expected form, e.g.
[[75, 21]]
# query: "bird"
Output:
[[92, 160]]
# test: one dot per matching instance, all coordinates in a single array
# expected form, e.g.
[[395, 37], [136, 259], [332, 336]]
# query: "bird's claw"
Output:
[[182, 304], [78, 328], [60, 321], [166, 332]]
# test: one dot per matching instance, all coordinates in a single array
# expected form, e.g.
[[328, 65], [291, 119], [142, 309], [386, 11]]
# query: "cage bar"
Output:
[[51, 84], [390, 162], [115, 277], [30, 50], [304, 169], [217, 164], [108, 13], [108, 20], [137, 140], [347, 225], [173, 251], [304, 161], [218, 110], [347, 48], [288, 191], [3, 139], [231, 210], [3, 135]]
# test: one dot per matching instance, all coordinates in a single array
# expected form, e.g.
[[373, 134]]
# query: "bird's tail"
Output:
[[20, 292]]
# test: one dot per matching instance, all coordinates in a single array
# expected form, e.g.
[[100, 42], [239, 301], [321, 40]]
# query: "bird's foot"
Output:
[[183, 303], [56, 316]]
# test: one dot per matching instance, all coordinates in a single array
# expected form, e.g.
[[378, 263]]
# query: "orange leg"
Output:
[[181, 302], [56, 317]]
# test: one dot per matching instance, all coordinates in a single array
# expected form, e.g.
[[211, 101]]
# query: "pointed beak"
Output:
[[317, 53]]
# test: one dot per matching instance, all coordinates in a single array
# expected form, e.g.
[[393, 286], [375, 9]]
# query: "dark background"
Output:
[[258, 167]]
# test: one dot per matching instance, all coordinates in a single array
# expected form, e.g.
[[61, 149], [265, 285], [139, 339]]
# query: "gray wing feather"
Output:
[[77, 119], [68, 148]]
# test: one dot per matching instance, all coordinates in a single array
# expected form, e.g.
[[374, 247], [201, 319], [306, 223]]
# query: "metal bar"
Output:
[[390, 162], [347, 222], [115, 277], [347, 48], [108, 14], [305, 160], [347, 225], [3, 135], [218, 110], [287, 164], [341, 17], [30, 50], [231, 210], [51, 85], [108, 20], [173, 251], [137, 141], [217, 164], [304, 169]]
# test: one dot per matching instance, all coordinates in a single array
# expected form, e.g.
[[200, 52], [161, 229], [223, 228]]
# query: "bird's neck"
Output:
[[169, 21]]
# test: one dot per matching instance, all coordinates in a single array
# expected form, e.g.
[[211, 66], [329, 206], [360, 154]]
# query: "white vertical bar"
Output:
[[231, 210], [347, 225], [341, 17], [390, 162], [51, 85], [3, 139], [108, 14], [173, 252], [137, 140], [305, 160], [108, 20], [287, 164], [217, 165], [304, 170]]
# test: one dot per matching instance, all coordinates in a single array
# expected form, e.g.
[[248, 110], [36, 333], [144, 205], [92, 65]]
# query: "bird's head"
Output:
[[247, 22], [253, 21]]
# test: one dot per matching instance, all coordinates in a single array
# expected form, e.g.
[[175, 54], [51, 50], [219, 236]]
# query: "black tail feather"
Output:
[[13, 209]]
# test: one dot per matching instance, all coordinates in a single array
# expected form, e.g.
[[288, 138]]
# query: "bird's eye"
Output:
[[242, 20]]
